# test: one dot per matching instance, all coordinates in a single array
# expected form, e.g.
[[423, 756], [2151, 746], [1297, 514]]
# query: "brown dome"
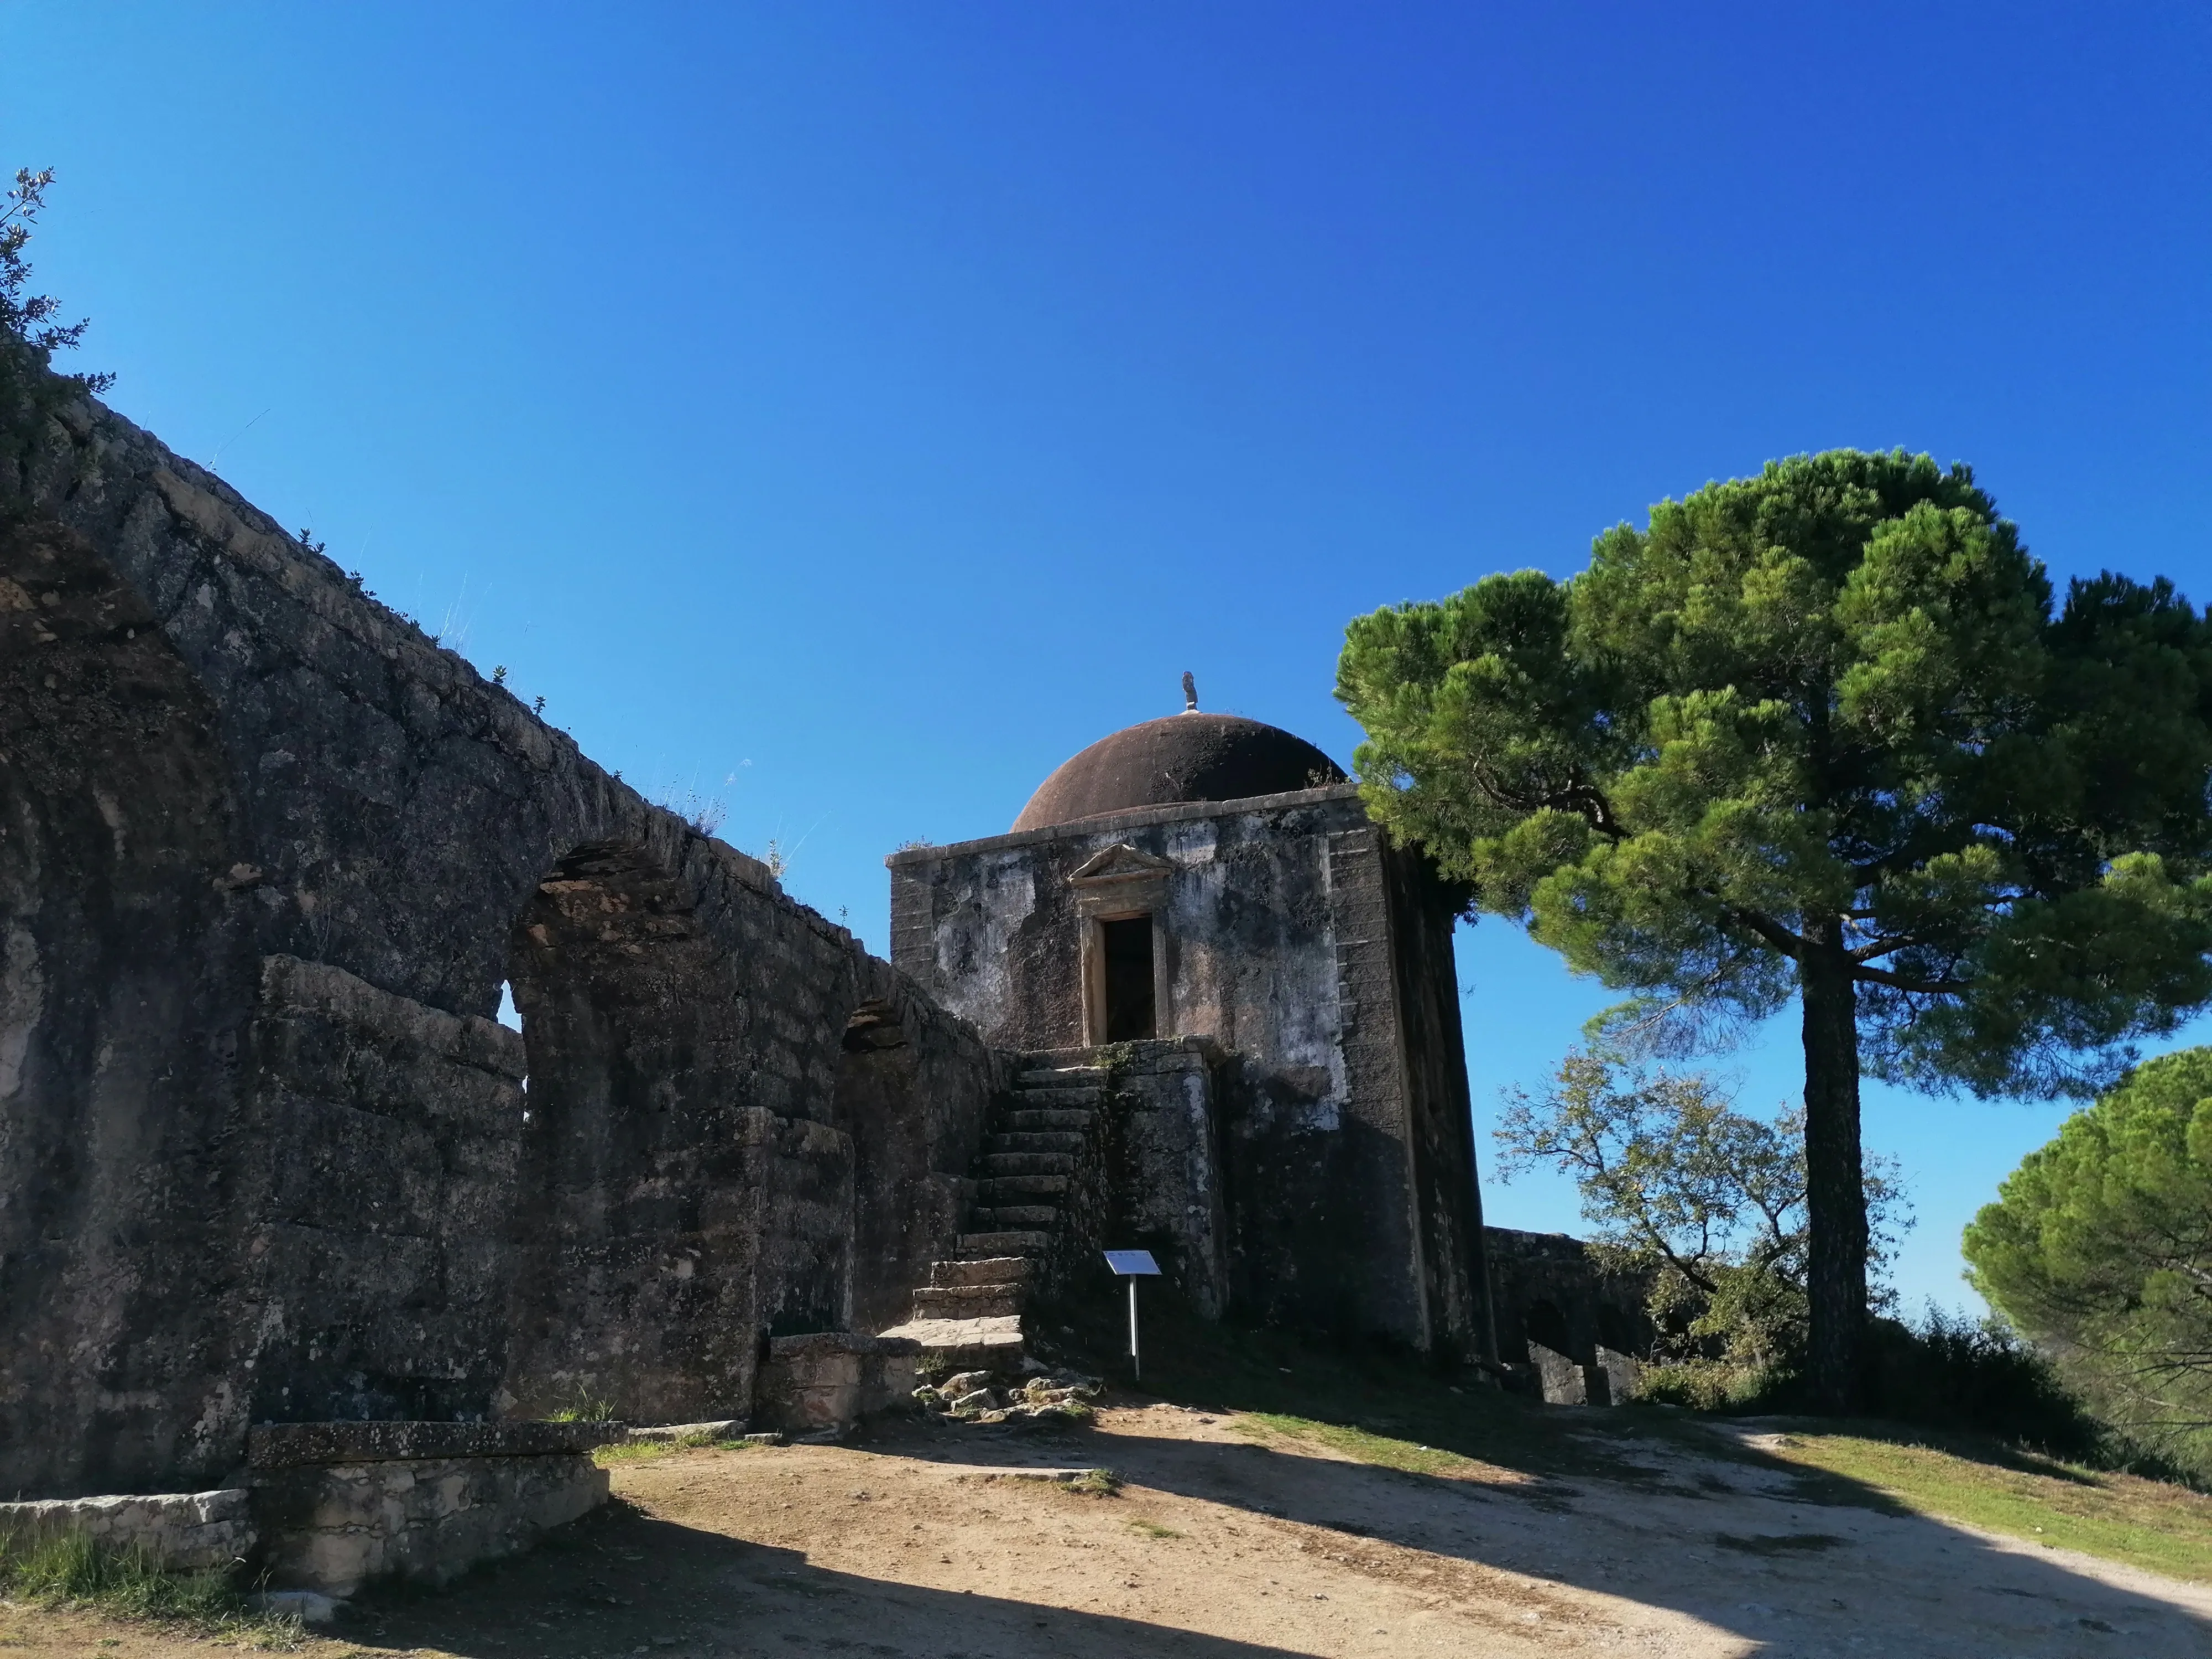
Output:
[[1182, 758]]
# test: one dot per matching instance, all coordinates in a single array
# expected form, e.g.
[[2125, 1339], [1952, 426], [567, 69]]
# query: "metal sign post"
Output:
[[1133, 1265]]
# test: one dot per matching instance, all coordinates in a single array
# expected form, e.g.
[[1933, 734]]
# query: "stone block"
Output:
[[181, 1532], [333, 1526], [1562, 1380], [1621, 1375], [832, 1379]]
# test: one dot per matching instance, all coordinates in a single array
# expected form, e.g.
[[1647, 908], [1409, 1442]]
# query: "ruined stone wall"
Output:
[[915, 1091], [1549, 1289], [267, 853], [374, 1206], [1278, 945], [127, 961]]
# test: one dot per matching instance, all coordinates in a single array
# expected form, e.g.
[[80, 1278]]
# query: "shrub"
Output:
[[1954, 1373]]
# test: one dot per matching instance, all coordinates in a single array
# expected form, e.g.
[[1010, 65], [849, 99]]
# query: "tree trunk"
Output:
[[1835, 1203]]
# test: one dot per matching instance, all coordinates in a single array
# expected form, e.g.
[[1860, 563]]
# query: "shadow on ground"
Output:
[[620, 1582], [1603, 1530]]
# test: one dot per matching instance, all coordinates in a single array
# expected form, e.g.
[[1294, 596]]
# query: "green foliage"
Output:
[[1979, 1376], [2100, 1245], [1833, 696], [1821, 732], [29, 332], [583, 1406], [1709, 1202], [1945, 1373]]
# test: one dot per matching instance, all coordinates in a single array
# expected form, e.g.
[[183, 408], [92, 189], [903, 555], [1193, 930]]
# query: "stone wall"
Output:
[[128, 970], [268, 853], [914, 1091], [826, 1382], [1440, 1111], [1164, 1155], [1550, 1291], [375, 1217]]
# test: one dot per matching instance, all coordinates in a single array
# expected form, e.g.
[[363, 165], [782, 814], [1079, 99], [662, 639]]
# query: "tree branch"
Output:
[[1908, 983], [1767, 928]]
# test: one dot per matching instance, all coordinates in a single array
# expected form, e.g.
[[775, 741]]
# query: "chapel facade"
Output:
[[1199, 905]]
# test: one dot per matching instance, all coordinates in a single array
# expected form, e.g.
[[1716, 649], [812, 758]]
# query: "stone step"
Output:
[[1028, 1164], [980, 1270], [1022, 1120], [1014, 1218], [1064, 1099], [993, 1344], [1036, 1141], [1019, 1188], [1058, 1077], [979, 1247], [968, 1301]]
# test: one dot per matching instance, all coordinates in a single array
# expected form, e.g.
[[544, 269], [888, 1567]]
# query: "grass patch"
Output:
[[73, 1571], [1095, 1483], [2120, 1517], [1363, 1445], [1153, 1529], [639, 1451], [1360, 1387]]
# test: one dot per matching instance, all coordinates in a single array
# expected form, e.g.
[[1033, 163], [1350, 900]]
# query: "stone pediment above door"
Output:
[[1120, 878]]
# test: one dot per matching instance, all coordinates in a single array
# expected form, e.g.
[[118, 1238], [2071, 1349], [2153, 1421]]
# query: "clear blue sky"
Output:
[[870, 405]]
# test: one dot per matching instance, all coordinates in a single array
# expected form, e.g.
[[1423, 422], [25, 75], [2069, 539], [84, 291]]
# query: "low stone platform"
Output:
[[339, 1503], [178, 1531]]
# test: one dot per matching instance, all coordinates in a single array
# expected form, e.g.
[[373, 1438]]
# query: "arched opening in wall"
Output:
[[1544, 1323], [641, 1178], [126, 979]]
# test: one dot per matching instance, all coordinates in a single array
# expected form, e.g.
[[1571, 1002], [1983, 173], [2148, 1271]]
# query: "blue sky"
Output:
[[851, 410]]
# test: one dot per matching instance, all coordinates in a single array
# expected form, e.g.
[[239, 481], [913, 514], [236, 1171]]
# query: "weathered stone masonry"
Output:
[[267, 853], [1325, 1175]]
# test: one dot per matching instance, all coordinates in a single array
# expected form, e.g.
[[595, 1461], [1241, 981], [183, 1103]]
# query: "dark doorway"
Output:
[[1128, 949]]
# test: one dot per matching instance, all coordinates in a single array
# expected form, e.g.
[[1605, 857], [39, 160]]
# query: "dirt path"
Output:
[[1220, 1545]]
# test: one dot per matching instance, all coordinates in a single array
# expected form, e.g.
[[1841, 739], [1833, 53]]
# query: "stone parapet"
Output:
[[179, 1532], [332, 1526]]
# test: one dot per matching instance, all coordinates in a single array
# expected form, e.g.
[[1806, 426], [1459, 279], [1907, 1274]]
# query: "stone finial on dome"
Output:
[[1189, 693]]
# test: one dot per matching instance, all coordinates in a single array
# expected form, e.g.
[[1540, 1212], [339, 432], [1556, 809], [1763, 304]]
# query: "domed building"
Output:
[[1238, 1023]]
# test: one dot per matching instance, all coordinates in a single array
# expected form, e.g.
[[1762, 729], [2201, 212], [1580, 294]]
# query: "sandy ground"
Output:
[[922, 1543]]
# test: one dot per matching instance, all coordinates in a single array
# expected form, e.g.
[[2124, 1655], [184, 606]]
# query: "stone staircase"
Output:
[[1032, 1180]]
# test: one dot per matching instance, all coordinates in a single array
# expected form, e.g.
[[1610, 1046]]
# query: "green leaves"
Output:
[[2099, 1245], [1679, 1184], [1832, 699], [27, 320]]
